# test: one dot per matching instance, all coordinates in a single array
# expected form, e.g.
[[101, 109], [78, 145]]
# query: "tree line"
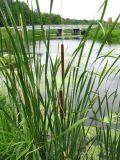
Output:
[[17, 6]]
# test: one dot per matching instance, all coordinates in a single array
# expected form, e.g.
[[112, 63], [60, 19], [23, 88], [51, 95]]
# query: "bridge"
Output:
[[77, 29]]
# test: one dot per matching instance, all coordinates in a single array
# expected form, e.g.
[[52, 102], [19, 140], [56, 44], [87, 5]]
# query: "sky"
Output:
[[80, 9]]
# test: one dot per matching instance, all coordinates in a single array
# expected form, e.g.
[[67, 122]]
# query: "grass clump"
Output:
[[114, 37], [34, 125]]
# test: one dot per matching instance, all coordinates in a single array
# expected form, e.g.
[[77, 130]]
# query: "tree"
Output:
[[16, 8]]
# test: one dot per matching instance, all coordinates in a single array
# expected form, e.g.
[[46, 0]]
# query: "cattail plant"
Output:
[[49, 130]]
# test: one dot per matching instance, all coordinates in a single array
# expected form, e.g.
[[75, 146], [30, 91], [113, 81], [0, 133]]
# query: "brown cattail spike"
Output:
[[22, 31], [61, 101], [62, 60]]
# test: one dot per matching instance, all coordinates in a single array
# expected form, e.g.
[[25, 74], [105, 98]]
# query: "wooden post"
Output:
[[110, 19]]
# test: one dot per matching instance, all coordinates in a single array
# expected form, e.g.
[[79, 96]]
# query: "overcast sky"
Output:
[[80, 9]]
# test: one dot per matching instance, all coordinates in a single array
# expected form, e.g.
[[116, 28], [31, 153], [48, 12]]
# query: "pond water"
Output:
[[71, 45]]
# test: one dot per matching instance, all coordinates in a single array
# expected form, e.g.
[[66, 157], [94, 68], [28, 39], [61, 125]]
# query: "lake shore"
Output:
[[114, 37]]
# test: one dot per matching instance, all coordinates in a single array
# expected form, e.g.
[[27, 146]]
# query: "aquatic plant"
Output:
[[50, 121]]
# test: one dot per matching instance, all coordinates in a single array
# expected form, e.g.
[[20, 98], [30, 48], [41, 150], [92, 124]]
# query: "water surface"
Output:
[[70, 45]]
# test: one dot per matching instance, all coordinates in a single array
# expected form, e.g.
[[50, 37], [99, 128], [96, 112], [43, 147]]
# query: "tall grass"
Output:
[[31, 126]]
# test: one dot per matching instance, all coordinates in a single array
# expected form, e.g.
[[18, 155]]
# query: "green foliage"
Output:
[[114, 37], [32, 126], [2, 101], [8, 60], [17, 6]]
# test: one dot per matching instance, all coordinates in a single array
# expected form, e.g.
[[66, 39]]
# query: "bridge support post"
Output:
[[83, 32], [76, 32], [60, 32]]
